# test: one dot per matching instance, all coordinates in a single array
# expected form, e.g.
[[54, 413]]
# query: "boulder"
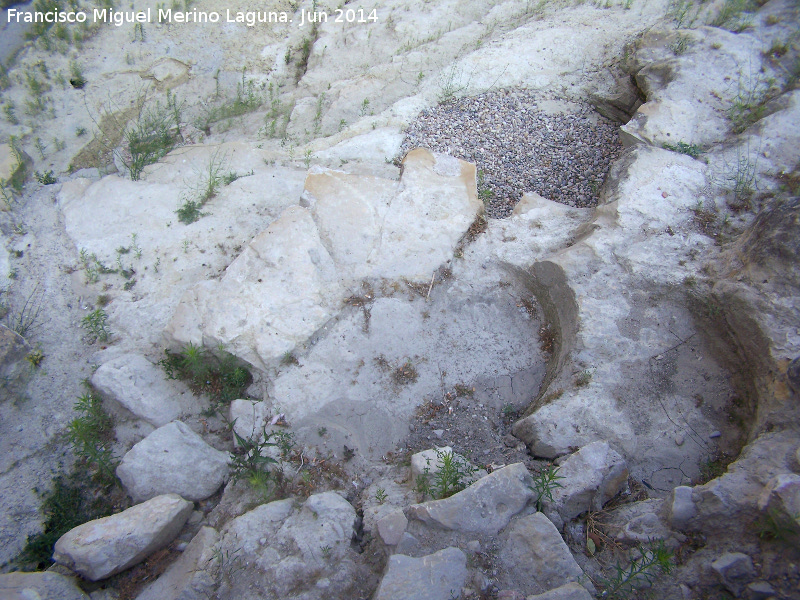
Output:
[[392, 527], [39, 586], [735, 570], [485, 507], [191, 577], [292, 550], [591, 477], [782, 497], [571, 591], [140, 387], [542, 434], [104, 547], [536, 556], [637, 523], [173, 459], [438, 576]]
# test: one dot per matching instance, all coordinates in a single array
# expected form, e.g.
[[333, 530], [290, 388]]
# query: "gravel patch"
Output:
[[518, 147]]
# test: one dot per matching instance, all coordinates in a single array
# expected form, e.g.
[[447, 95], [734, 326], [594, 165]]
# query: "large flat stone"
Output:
[[191, 577], [104, 547], [591, 477], [39, 586], [140, 387], [293, 277], [438, 576], [173, 459], [484, 507], [536, 556]]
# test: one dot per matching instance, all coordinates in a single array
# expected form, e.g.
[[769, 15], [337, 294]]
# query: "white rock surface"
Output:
[[192, 576], [484, 507], [688, 97], [391, 527], [173, 459], [591, 477], [292, 277], [104, 547], [434, 577], [649, 191], [142, 388], [536, 556], [249, 417], [39, 586], [290, 550]]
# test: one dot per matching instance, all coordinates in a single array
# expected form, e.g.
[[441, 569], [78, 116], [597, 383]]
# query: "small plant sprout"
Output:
[[652, 561], [544, 484], [453, 475], [381, 495], [584, 378], [95, 325], [326, 552], [322, 431]]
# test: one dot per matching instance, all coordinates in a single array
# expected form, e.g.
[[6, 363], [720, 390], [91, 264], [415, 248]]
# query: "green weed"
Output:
[[27, 320], [95, 325], [218, 374], [91, 435], [652, 561], [692, 150], [250, 463], [453, 475], [735, 15], [208, 185], [246, 100], [71, 502], [544, 484], [154, 134], [46, 178]]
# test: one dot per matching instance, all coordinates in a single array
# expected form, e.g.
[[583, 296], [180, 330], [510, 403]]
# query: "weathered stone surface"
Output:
[[760, 590], [13, 350], [191, 577], [541, 433], [104, 547], [39, 586], [688, 98], [173, 459], [536, 556], [638, 523], [290, 550], [680, 507], [438, 576], [735, 570], [392, 527], [484, 507], [591, 477], [736, 494], [140, 387], [571, 591], [782, 496], [292, 277]]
